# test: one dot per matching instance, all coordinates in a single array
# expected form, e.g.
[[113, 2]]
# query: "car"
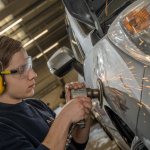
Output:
[[110, 42]]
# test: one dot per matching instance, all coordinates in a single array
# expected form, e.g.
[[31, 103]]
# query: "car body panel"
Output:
[[88, 64], [126, 83], [100, 113], [85, 40], [143, 127], [87, 46], [121, 78]]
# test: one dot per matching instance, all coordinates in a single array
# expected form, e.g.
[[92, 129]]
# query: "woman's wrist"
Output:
[[65, 116]]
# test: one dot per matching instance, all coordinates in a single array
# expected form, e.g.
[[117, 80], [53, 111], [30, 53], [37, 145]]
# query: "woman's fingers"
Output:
[[75, 85], [67, 90], [87, 105], [68, 86], [87, 111], [72, 85], [86, 117], [78, 85], [86, 99], [86, 102]]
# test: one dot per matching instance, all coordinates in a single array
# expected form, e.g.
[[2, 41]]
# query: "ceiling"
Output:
[[35, 18], [39, 24]]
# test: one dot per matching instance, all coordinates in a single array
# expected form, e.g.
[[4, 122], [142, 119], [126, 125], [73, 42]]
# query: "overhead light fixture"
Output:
[[11, 26], [48, 49], [41, 54], [38, 36]]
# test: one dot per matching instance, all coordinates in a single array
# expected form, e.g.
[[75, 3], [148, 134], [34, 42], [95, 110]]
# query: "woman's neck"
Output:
[[4, 98]]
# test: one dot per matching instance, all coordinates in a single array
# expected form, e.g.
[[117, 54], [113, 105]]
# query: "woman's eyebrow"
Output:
[[17, 66], [20, 64]]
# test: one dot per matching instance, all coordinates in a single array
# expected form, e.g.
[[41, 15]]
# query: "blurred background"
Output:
[[40, 26]]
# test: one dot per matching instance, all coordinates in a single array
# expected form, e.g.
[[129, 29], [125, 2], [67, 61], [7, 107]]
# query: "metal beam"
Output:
[[40, 49], [48, 36], [51, 11], [57, 41], [28, 12], [49, 26], [15, 6]]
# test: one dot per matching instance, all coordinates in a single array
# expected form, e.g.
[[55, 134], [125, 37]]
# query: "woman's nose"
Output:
[[32, 74]]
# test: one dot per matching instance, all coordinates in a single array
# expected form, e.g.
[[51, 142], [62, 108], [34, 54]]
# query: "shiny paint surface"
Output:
[[122, 79], [103, 117], [86, 44], [126, 85], [85, 40], [143, 127]]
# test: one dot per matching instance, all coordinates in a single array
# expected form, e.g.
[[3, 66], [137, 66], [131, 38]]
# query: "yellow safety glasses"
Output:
[[21, 71]]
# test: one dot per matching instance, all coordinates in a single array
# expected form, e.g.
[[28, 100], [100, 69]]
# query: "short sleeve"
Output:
[[11, 139]]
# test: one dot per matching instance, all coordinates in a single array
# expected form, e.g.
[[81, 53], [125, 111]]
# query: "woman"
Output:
[[27, 123]]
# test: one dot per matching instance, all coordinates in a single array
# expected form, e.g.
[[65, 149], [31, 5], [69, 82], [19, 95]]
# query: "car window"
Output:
[[77, 47]]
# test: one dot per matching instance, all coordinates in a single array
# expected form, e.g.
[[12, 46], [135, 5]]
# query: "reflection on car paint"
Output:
[[121, 78], [125, 78]]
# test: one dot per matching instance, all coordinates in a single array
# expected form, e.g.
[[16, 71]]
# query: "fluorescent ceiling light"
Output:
[[39, 55], [51, 47], [74, 42], [38, 36], [11, 26]]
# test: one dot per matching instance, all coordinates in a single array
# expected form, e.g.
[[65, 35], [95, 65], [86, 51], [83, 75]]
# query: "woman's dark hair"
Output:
[[8, 47]]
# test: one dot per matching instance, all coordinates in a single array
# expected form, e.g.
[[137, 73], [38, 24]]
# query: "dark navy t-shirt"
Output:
[[24, 126]]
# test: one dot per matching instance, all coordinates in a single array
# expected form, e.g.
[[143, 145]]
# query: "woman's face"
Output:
[[16, 87]]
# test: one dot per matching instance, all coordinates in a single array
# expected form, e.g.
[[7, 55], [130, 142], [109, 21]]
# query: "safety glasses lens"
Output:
[[23, 70]]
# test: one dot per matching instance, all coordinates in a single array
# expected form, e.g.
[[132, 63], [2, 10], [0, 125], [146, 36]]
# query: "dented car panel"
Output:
[[122, 79], [121, 61]]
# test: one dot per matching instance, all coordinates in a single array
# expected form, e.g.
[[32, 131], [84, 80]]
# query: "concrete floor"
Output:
[[98, 140]]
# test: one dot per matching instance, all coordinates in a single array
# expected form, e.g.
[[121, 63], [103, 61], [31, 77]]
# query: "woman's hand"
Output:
[[77, 109], [72, 85], [84, 101]]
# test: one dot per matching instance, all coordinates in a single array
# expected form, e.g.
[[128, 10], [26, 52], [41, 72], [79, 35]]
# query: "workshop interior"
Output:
[[103, 43]]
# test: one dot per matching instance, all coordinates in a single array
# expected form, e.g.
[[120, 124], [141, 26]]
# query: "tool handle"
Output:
[[79, 92]]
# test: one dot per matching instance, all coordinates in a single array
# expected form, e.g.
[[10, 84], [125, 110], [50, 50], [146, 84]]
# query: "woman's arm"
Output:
[[57, 135], [73, 112], [80, 135]]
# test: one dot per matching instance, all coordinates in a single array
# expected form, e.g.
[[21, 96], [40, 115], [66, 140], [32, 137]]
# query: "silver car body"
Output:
[[122, 76]]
